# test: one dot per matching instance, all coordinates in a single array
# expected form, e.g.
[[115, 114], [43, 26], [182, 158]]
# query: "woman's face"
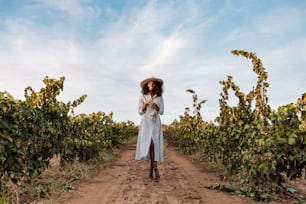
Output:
[[151, 85]]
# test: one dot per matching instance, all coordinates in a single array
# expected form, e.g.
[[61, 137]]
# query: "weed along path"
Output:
[[127, 181]]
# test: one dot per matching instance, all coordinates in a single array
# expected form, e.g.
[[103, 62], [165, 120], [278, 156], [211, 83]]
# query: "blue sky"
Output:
[[105, 48]]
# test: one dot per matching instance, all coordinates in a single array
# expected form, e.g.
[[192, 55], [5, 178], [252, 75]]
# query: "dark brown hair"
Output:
[[158, 89]]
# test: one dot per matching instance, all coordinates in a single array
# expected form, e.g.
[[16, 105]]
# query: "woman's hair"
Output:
[[158, 90]]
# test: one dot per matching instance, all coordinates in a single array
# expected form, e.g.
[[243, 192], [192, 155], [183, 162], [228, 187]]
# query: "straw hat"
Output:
[[152, 78]]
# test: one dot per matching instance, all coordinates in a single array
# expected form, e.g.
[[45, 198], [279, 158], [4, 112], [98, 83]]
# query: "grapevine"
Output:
[[255, 144], [39, 128]]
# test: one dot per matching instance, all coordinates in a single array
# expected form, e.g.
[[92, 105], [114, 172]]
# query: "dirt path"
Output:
[[126, 181]]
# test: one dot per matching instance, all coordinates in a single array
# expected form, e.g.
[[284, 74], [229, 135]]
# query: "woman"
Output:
[[150, 135]]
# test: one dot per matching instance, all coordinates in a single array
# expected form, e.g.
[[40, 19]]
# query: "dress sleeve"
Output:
[[140, 105], [160, 104]]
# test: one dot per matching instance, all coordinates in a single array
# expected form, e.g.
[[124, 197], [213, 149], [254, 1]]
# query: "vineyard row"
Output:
[[257, 146]]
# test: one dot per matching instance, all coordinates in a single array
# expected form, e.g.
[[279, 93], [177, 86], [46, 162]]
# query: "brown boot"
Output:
[[157, 176]]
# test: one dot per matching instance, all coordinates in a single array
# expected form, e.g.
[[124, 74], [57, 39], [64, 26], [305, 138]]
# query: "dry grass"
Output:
[[56, 180]]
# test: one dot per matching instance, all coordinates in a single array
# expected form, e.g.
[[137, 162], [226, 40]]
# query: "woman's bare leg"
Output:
[[152, 159], [153, 162]]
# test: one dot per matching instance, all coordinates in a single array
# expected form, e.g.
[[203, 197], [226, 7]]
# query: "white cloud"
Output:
[[164, 53], [73, 7], [164, 39]]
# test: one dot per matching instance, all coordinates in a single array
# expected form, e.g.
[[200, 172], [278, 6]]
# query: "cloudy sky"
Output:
[[105, 48]]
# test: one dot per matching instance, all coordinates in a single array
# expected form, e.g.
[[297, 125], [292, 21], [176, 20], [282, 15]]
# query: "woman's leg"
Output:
[[153, 162], [151, 159]]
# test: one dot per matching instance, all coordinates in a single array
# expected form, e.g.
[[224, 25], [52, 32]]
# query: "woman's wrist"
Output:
[[144, 107]]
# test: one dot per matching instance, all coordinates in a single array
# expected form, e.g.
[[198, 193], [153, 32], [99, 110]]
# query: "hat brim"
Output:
[[145, 81]]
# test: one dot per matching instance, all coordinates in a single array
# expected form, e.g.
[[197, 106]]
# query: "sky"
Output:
[[105, 48]]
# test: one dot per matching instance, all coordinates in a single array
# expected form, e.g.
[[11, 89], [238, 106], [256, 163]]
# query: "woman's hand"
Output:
[[146, 103], [154, 106]]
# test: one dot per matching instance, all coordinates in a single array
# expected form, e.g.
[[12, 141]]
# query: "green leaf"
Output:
[[6, 137], [292, 139]]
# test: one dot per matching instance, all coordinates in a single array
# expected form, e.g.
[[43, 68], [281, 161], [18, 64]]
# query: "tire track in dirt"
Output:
[[127, 181]]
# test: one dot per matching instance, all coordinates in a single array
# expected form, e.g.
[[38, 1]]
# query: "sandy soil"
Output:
[[126, 181]]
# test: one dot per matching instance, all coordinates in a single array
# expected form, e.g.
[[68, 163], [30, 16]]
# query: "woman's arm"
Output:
[[154, 106], [143, 104], [159, 105]]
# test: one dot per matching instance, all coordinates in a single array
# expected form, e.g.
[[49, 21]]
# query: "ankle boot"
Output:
[[157, 176]]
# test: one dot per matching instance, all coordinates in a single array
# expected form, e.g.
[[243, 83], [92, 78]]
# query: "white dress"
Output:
[[150, 129]]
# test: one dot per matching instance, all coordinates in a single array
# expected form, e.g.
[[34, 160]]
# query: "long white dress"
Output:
[[150, 129]]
